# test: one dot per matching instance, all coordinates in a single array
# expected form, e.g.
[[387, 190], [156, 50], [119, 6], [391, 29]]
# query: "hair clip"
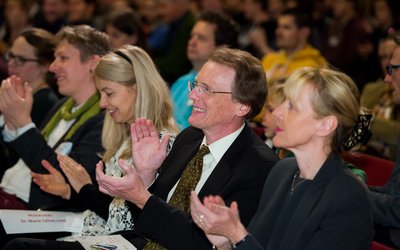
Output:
[[361, 133]]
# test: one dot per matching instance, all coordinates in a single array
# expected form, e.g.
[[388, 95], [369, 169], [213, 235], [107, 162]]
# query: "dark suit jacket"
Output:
[[329, 212], [32, 148], [239, 176], [385, 203]]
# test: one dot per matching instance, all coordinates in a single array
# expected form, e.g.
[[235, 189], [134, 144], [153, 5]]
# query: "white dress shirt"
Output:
[[17, 179], [210, 161]]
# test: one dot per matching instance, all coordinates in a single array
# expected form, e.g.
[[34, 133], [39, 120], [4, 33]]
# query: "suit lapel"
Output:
[[171, 174]]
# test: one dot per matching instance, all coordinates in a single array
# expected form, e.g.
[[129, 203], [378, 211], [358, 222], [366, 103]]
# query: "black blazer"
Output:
[[32, 148], [385, 203], [329, 212], [239, 176]]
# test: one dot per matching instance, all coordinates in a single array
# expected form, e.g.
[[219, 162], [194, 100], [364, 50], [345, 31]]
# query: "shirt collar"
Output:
[[218, 148]]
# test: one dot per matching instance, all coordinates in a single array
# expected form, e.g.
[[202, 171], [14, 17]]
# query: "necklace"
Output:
[[296, 182]]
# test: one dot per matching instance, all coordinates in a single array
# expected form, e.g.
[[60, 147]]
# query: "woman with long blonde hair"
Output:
[[130, 88]]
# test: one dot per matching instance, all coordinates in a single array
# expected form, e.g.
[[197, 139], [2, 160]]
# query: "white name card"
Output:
[[111, 242], [30, 221]]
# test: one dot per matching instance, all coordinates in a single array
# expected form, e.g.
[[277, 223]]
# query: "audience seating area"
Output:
[[379, 246], [378, 170]]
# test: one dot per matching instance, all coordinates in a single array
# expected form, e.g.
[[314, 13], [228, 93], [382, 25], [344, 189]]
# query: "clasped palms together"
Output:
[[148, 153]]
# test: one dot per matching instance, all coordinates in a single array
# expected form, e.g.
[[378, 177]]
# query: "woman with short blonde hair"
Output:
[[310, 201]]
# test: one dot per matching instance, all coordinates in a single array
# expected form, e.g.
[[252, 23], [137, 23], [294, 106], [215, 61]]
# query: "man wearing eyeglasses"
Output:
[[377, 97], [230, 88], [393, 76], [385, 200]]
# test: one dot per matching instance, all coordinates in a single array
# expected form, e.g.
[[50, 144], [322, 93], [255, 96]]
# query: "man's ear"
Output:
[[327, 125], [94, 60], [243, 109]]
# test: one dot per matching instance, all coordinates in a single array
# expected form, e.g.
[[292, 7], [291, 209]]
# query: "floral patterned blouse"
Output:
[[119, 216]]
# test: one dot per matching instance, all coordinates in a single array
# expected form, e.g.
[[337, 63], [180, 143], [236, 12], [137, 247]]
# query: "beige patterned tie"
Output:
[[188, 182]]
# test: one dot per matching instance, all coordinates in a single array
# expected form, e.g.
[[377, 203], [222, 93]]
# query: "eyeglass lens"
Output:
[[391, 67], [18, 60]]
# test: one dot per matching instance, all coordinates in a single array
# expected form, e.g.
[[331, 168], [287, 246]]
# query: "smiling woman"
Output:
[[130, 87], [132, 70], [118, 100], [28, 59]]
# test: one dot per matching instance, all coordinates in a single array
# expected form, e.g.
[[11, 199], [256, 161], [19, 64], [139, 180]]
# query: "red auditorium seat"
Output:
[[378, 170], [379, 246]]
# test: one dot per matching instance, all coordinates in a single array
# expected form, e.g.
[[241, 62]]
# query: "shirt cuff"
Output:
[[154, 179], [2, 121], [11, 135]]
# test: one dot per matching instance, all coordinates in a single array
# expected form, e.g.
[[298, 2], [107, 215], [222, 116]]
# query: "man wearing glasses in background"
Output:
[[385, 200], [377, 97]]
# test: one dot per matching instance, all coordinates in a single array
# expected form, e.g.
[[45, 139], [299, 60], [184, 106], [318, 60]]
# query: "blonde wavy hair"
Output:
[[131, 65]]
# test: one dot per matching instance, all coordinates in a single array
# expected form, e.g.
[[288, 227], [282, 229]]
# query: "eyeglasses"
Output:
[[201, 89], [390, 68], [19, 60]]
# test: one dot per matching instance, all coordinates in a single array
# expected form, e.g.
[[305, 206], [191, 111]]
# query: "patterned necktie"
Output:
[[188, 182]]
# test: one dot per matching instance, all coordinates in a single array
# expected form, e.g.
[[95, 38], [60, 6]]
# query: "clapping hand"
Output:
[[216, 219], [130, 187], [16, 102], [75, 172], [53, 182], [148, 152]]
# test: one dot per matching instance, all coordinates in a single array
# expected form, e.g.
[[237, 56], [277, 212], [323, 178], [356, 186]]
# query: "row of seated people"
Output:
[[220, 31], [293, 50], [158, 209], [167, 24]]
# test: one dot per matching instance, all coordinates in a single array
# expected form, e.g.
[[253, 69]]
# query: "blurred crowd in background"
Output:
[[345, 34]]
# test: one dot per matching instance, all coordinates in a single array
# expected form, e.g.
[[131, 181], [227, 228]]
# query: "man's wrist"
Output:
[[148, 177], [9, 134], [67, 195], [142, 200], [239, 234], [237, 244], [20, 124]]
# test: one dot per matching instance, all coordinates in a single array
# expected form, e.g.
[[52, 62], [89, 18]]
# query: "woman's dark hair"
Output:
[[226, 29], [128, 22], [44, 45]]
